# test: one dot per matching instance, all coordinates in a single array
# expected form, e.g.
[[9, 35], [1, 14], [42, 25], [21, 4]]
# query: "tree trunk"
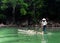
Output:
[[0, 6], [13, 12]]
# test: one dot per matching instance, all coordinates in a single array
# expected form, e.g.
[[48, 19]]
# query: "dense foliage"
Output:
[[31, 10]]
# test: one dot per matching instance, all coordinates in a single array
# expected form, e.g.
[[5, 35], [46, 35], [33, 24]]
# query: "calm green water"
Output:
[[46, 38], [54, 38], [8, 35], [11, 35], [29, 39]]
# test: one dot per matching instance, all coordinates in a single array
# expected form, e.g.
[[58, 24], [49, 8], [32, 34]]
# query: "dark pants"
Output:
[[44, 28]]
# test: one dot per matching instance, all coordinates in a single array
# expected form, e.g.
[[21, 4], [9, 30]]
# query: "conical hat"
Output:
[[43, 19]]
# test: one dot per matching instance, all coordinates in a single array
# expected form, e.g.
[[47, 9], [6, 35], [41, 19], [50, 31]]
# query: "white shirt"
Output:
[[44, 23]]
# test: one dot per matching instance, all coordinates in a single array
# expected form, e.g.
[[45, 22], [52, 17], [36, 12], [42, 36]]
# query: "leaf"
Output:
[[25, 5], [23, 11], [4, 1]]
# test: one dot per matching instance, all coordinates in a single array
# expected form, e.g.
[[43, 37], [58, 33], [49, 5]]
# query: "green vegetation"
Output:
[[15, 9], [31, 10]]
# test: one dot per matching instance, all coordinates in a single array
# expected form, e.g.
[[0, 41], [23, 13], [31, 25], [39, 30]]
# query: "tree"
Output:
[[30, 8], [34, 9], [22, 9], [0, 6], [13, 3], [3, 5]]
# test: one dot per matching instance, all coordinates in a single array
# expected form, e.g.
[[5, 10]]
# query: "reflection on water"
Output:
[[44, 38]]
